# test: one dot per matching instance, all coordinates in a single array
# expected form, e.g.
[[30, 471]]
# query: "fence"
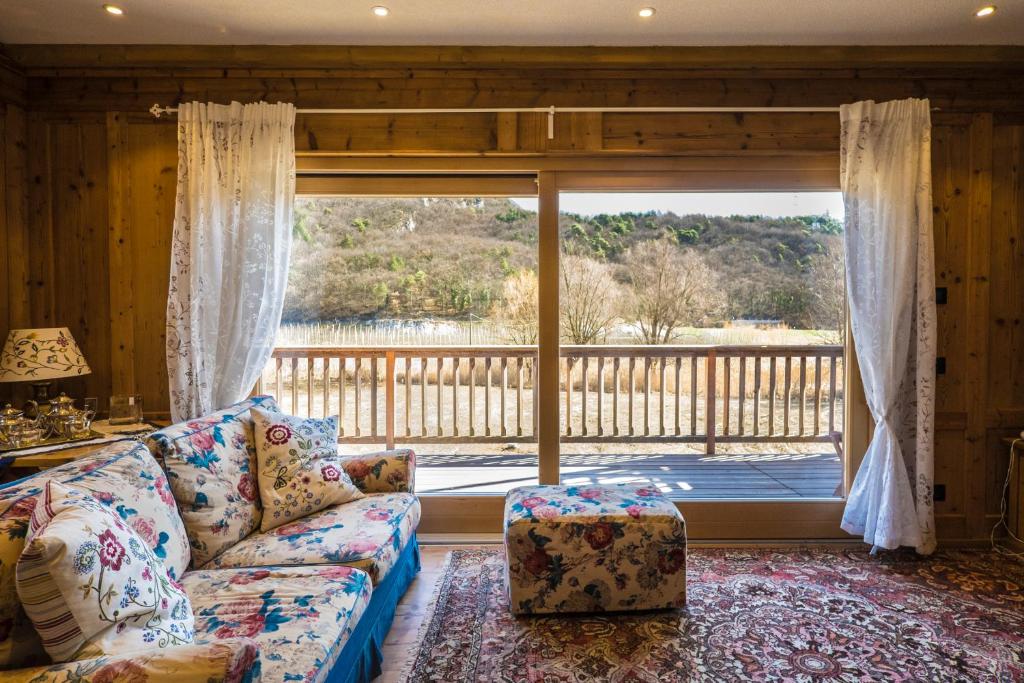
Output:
[[631, 393]]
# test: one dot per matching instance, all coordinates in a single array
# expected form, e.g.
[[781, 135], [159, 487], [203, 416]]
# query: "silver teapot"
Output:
[[16, 430], [65, 421]]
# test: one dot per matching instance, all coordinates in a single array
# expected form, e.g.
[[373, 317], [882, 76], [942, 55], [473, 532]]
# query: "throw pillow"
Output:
[[211, 468], [92, 586], [298, 466]]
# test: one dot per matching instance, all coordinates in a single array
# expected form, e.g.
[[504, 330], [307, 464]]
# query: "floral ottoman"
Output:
[[593, 549]]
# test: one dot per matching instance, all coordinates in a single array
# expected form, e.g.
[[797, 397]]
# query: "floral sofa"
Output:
[[311, 600]]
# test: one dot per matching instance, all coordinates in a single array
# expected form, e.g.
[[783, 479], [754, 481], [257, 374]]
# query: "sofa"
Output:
[[310, 600]]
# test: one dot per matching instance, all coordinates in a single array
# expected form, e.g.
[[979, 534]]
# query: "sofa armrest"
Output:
[[235, 660], [383, 472]]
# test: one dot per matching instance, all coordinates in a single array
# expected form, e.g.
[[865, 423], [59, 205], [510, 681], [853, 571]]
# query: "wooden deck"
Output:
[[681, 476]]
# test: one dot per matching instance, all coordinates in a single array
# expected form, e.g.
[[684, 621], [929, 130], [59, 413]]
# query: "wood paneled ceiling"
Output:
[[514, 22]]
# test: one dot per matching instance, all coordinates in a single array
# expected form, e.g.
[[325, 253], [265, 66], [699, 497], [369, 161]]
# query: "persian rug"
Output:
[[751, 615]]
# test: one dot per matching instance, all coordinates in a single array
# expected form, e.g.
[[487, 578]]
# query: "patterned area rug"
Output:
[[756, 615]]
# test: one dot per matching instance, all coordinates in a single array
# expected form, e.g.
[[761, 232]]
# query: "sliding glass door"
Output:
[[412, 314], [702, 342], [579, 328]]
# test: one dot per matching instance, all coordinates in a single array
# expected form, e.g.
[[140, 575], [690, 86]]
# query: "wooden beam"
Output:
[[329, 57], [548, 330]]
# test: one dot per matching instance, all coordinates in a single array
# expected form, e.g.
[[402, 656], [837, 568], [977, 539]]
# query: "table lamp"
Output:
[[40, 356]]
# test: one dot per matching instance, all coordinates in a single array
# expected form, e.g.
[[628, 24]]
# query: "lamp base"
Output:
[[40, 397], [41, 391]]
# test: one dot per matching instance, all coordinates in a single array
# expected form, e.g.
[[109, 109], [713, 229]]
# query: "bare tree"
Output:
[[589, 299], [517, 310], [670, 287], [828, 289]]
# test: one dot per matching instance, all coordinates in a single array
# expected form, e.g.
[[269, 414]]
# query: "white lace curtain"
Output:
[[229, 254], [890, 276]]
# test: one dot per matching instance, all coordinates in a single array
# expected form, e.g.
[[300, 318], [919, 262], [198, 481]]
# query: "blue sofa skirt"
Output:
[[360, 658]]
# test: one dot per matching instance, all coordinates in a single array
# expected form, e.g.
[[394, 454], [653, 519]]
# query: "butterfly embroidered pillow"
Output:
[[298, 466], [92, 586]]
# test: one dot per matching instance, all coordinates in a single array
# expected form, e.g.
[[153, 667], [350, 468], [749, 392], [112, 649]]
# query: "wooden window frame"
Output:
[[724, 519]]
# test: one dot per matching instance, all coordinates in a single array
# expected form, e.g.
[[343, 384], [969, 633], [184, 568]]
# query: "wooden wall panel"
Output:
[[80, 284], [101, 178], [373, 132], [152, 173], [1006, 352], [950, 182], [794, 133], [15, 308]]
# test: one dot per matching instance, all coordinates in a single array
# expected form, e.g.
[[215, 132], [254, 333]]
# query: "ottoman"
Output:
[[593, 549]]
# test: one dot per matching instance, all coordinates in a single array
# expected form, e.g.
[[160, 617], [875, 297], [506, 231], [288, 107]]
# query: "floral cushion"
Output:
[[368, 533], [383, 472], [211, 465], [19, 642], [122, 476], [298, 466], [300, 616], [91, 585], [593, 548], [225, 661]]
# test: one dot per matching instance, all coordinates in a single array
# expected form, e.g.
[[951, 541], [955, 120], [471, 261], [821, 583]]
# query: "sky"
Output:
[[711, 203]]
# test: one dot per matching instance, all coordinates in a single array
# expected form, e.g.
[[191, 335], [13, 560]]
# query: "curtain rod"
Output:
[[157, 111]]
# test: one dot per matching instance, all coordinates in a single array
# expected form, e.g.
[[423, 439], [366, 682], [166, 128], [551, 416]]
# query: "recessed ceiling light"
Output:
[[113, 9], [381, 10], [646, 12], [988, 10]]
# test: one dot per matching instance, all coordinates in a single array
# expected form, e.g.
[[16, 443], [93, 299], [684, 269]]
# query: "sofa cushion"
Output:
[[211, 466], [225, 661], [125, 478], [298, 466], [300, 617], [91, 585], [368, 533]]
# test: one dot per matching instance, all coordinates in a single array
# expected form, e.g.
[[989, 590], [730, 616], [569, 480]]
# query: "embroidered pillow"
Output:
[[125, 479], [211, 467], [298, 466], [92, 586]]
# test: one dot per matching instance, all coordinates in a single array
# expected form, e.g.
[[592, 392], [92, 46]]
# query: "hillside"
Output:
[[360, 258]]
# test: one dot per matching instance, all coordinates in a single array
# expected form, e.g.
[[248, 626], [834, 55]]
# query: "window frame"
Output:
[[722, 519]]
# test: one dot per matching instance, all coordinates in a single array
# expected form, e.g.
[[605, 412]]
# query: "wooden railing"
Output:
[[694, 394]]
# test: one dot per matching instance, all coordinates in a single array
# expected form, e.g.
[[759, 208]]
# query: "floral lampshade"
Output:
[[41, 354]]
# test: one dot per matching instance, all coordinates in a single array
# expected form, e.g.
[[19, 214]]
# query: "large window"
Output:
[[702, 337]]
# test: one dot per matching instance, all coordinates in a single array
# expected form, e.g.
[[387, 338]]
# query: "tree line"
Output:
[[657, 272]]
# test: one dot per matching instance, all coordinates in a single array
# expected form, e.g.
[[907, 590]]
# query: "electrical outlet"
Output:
[[940, 365], [939, 493]]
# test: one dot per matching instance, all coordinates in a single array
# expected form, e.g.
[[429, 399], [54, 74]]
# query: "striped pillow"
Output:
[[92, 586]]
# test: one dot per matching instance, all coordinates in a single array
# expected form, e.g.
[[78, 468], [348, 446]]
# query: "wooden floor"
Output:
[[738, 475], [400, 643]]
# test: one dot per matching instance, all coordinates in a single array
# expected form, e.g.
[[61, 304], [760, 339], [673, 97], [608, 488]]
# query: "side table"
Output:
[[14, 466]]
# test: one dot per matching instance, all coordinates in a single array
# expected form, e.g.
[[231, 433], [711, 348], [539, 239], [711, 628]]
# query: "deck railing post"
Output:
[[389, 400], [709, 404]]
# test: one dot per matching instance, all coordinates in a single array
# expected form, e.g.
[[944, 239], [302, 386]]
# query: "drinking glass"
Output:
[[90, 406], [126, 409]]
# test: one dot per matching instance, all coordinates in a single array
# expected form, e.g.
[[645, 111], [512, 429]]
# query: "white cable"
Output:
[[1003, 512]]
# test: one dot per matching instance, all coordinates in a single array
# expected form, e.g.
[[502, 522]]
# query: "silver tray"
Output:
[[54, 441]]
